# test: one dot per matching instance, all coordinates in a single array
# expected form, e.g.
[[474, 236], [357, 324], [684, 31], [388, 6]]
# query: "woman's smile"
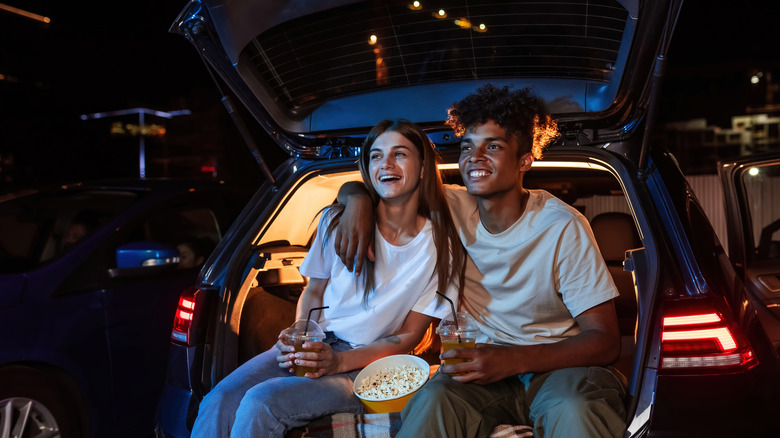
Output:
[[395, 166]]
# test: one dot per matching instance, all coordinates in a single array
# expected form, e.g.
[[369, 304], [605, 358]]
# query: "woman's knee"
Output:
[[219, 396], [265, 392]]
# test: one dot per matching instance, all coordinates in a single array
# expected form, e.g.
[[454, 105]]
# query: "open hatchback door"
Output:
[[313, 73]]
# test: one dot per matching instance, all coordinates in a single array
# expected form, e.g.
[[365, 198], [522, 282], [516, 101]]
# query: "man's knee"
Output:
[[586, 400], [432, 390]]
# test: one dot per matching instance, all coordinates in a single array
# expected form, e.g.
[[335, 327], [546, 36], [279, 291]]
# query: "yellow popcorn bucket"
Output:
[[395, 403]]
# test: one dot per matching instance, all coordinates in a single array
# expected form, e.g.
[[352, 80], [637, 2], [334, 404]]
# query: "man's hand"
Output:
[[486, 363], [598, 344], [354, 237]]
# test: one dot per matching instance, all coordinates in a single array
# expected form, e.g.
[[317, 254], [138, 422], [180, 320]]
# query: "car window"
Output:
[[186, 219], [38, 227], [761, 185], [173, 225]]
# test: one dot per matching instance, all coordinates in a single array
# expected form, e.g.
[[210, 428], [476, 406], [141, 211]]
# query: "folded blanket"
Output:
[[380, 426]]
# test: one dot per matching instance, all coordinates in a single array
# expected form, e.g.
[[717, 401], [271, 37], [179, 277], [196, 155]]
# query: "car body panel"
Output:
[[750, 187]]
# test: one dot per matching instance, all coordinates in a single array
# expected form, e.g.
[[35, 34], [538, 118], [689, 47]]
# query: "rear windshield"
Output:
[[38, 227], [374, 45]]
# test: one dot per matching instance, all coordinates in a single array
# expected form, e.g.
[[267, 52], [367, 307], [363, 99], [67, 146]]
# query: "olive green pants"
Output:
[[570, 402]]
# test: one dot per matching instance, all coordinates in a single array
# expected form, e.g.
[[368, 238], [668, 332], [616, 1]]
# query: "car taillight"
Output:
[[701, 339], [182, 322]]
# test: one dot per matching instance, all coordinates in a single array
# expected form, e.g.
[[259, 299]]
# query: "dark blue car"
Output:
[[89, 282]]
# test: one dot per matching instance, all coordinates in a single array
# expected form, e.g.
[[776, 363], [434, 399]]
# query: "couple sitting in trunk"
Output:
[[533, 279]]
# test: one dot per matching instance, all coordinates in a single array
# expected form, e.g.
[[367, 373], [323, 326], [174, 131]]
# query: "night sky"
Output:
[[93, 58], [718, 45]]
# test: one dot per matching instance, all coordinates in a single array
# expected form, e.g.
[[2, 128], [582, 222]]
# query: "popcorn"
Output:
[[392, 382]]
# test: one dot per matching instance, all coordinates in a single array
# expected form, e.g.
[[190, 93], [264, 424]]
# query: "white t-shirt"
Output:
[[541, 272], [405, 280]]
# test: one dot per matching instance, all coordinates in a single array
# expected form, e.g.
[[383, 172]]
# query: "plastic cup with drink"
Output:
[[460, 335], [459, 330], [302, 331]]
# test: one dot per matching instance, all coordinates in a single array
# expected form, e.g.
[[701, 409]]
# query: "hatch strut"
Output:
[[242, 129], [241, 126], [655, 87], [659, 70]]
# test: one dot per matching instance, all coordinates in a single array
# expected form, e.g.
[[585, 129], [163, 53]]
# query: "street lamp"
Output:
[[142, 112]]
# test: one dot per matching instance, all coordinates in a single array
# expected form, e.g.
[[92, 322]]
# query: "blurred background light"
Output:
[[25, 14], [463, 23]]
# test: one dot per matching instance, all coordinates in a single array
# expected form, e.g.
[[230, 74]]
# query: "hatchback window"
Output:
[[37, 227], [370, 46]]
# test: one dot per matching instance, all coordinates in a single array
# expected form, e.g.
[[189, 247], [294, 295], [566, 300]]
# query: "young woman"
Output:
[[386, 310]]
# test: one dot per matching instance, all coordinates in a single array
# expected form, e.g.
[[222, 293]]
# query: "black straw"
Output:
[[306, 330], [454, 314]]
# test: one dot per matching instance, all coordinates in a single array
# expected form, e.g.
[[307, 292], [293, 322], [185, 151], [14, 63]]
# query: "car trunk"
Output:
[[263, 301], [316, 84]]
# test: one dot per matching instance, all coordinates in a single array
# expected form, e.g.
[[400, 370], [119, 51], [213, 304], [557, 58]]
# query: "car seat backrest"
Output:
[[616, 233], [270, 304]]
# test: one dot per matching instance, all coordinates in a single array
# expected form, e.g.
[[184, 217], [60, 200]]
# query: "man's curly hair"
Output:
[[517, 111]]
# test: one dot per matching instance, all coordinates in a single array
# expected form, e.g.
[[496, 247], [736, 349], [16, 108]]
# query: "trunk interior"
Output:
[[269, 299]]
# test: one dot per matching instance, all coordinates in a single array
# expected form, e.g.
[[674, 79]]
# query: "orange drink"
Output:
[[299, 370], [449, 345], [296, 335], [457, 334]]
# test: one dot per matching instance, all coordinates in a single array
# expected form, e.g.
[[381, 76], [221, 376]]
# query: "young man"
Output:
[[535, 282]]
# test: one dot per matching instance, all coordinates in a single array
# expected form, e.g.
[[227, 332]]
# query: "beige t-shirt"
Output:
[[526, 284]]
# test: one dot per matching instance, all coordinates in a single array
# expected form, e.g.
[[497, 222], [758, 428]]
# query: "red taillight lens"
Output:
[[182, 322], [694, 339]]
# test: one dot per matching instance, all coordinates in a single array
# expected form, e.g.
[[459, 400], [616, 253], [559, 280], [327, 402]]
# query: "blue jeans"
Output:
[[259, 399]]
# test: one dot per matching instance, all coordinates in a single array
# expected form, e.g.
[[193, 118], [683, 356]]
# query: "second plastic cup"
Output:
[[462, 335], [299, 333]]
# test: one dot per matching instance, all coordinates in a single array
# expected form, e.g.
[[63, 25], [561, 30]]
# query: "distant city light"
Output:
[[756, 78], [372, 40], [753, 171], [440, 14], [481, 28], [415, 6]]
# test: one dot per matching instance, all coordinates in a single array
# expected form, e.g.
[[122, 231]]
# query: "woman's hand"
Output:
[[286, 354], [325, 360]]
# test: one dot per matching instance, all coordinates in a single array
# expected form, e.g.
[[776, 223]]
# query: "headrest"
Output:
[[615, 233]]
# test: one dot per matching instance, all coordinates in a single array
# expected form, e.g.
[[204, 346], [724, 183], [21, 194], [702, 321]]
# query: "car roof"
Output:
[[149, 185]]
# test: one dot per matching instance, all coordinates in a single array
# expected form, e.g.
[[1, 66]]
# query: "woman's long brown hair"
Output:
[[450, 255]]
